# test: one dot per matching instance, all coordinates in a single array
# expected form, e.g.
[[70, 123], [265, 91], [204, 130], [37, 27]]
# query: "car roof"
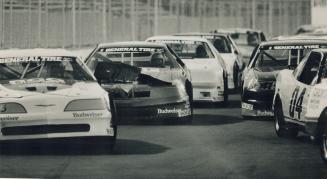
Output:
[[299, 37], [201, 34], [171, 37], [294, 42], [237, 30], [132, 44], [35, 52]]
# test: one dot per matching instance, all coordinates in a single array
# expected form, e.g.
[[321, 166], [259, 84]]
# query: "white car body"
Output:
[[231, 58], [207, 74], [302, 102], [51, 107]]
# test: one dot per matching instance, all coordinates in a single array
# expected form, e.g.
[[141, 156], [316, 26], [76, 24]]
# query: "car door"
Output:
[[305, 79]]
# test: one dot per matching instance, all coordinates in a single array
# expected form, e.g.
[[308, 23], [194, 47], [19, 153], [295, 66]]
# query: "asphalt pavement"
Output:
[[218, 144]]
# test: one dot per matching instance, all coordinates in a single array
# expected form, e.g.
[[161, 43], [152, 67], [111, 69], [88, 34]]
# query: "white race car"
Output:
[[300, 100], [228, 51], [50, 93], [207, 68]]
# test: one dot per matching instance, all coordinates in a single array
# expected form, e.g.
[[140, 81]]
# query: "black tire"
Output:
[[323, 145], [236, 76], [189, 91], [282, 128], [225, 102], [114, 123]]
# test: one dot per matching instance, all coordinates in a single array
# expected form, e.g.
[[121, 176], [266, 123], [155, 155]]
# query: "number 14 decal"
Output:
[[296, 104]]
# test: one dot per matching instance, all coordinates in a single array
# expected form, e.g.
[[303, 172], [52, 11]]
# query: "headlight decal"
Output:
[[86, 105], [11, 108]]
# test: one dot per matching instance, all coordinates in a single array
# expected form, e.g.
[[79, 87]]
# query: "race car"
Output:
[[245, 39], [51, 94], [228, 51], [260, 75], [300, 100], [207, 68], [145, 80]]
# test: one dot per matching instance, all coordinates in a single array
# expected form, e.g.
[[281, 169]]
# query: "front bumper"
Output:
[[257, 103], [136, 109], [207, 94], [46, 126]]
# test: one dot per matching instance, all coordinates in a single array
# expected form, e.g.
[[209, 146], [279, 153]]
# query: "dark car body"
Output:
[[260, 75], [140, 84]]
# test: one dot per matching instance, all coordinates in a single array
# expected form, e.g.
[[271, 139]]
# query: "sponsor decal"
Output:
[[86, 114], [265, 113], [179, 112], [9, 118], [134, 49], [292, 47], [247, 106], [176, 41], [32, 59]]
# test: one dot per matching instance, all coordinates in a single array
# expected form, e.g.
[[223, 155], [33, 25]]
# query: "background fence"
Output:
[[77, 23]]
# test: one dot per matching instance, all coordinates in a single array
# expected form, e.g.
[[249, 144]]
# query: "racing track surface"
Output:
[[219, 144]]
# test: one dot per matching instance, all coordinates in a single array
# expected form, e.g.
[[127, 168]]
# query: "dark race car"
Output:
[[260, 75], [145, 80]]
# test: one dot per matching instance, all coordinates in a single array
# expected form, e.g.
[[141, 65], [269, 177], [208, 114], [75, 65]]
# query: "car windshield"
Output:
[[45, 67], [187, 49], [221, 44], [279, 57], [125, 64], [141, 57], [246, 39]]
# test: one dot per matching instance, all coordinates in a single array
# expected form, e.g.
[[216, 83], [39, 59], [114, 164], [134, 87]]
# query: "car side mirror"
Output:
[[236, 52]]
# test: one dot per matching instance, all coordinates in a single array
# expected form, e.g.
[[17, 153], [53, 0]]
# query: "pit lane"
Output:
[[219, 144]]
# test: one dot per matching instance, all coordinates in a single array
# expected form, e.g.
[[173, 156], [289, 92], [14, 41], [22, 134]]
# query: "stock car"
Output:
[[51, 94], [260, 75], [207, 69], [228, 51], [245, 39], [145, 80], [300, 100]]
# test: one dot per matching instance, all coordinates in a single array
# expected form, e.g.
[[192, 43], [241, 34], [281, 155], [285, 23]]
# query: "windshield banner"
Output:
[[133, 49], [293, 47], [33, 59]]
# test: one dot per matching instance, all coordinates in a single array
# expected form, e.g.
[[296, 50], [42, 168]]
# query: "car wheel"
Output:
[[225, 102], [236, 76], [323, 145], [282, 128], [189, 90]]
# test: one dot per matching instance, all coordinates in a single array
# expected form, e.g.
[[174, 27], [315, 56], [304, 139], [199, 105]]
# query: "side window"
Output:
[[310, 69]]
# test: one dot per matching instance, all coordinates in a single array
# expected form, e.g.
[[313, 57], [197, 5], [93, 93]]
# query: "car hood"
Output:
[[200, 64], [204, 71], [23, 89], [110, 73]]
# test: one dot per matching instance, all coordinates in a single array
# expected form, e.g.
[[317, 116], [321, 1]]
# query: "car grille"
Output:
[[45, 129]]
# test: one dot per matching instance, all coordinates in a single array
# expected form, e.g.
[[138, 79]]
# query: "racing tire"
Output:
[[114, 123], [225, 102], [323, 145], [189, 91], [236, 77], [282, 128]]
